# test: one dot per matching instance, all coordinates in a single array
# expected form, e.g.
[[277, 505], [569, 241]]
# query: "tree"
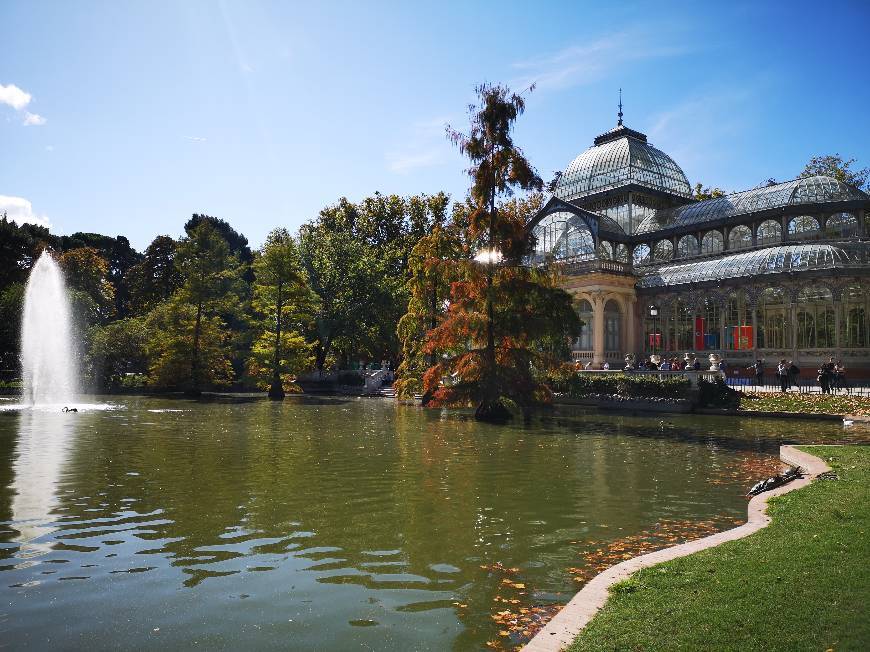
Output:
[[702, 193], [87, 274], [432, 269], [346, 277], [284, 303], [176, 328], [210, 286], [833, 165], [119, 348], [155, 278], [500, 310]]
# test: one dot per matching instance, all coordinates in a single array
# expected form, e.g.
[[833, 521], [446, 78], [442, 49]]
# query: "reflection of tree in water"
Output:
[[380, 497]]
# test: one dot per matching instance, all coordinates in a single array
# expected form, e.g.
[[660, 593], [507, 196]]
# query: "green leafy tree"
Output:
[[155, 278], [488, 341], [346, 276], [834, 165], [118, 349], [702, 192], [284, 304], [87, 274], [174, 327], [432, 269], [210, 287]]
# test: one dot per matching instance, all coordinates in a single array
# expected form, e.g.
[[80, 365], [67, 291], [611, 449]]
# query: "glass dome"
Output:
[[620, 157]]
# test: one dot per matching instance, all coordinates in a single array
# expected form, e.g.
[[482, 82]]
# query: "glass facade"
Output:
[[774, 320], [740, 237], [712, 243], [563, 236], [769, 233], [853, 318], [815, 318]]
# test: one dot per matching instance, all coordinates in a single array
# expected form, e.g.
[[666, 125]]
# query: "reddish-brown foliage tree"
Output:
[[500, 310]]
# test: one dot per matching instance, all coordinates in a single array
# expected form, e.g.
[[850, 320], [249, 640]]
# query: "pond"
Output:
[[339, 524]]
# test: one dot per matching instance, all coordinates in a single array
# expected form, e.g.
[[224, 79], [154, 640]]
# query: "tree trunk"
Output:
[[276, 391], [194, 389]]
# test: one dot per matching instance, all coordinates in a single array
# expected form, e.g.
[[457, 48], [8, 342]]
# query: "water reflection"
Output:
[[43, 443], [326, 524]]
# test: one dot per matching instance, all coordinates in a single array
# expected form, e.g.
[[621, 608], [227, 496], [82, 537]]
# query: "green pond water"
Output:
[[330, 524]]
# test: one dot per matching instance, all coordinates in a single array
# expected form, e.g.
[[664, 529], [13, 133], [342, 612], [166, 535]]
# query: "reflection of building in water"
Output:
[[43, 443], [777, 271]]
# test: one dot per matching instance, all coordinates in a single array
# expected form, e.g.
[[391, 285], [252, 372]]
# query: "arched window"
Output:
[[769, 232], [707, 326], [841, 225], [680, 329], [641, 254], [740, 237], [612, 327], [711, 243], [663, 250], [687, 246], [738, 322], [803, 227], [774, 322], [579, 243], [563, 236], [584, 341], [815, 318], [605, 250], [853, 318], [620, 253]]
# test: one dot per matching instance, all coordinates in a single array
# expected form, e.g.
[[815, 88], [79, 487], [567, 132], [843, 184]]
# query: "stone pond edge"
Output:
[[561, 631]]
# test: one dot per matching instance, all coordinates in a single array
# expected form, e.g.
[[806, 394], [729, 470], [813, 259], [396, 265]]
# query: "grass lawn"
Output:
[[802, 583], [805, 403]]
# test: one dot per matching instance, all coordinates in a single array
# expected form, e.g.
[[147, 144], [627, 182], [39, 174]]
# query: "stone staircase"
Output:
[[387, 391]]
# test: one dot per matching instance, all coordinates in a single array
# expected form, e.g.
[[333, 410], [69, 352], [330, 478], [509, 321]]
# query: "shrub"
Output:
[[627, 385], [717, 394]]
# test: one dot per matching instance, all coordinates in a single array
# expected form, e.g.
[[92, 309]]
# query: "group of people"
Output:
[[830, 376]]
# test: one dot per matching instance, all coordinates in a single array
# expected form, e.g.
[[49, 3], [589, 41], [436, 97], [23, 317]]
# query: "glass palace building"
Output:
[[775, 272]]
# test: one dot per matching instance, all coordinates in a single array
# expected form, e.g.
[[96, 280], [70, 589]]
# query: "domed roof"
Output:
[[805, 190], [620, 157]]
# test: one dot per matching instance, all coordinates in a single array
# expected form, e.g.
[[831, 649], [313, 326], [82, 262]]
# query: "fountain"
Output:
[[47, 350]]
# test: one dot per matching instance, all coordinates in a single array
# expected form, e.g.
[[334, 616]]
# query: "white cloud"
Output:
[[196, 139], [582, 64], [405, 162], [700, 131], [33, 119], [19, 210], [18, 99], [424, 145], [14, 96]]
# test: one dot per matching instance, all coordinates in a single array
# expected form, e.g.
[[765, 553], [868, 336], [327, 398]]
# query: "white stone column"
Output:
[[597, 332]]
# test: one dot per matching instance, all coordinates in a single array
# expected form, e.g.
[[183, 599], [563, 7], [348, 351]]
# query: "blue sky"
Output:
[[141, 113]]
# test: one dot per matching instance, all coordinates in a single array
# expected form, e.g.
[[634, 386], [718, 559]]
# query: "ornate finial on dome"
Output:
[[619, 122]]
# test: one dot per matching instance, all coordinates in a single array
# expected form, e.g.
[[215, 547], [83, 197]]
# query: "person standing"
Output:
[[758, 370], [793, 373], [782, 374]]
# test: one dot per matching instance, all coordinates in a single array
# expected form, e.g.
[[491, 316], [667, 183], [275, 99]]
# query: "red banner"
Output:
[[742, 338], [699, 333]]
